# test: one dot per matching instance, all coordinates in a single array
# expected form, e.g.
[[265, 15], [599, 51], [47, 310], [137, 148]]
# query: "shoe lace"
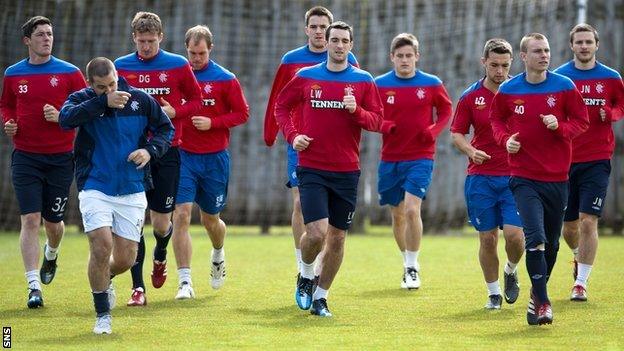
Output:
[[305, 286], [543, 309], [323, 304], [413, 273]]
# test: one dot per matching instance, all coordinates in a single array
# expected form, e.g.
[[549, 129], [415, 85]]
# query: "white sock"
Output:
[[318, 264], [510, 267], [583, 274], [404, 254], [493, 288], [320, 293], [33, 280], [298, 256], [50, 252], [307, 270], [218, 255], [411, 259], [575, 252], [184, 275]]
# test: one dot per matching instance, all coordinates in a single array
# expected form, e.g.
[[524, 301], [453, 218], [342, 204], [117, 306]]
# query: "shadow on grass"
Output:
[[483, 315], [290, 317], [87, 338], [387, 293]]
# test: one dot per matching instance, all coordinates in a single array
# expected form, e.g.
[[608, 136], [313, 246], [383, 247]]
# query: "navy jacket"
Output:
[[107, 136]]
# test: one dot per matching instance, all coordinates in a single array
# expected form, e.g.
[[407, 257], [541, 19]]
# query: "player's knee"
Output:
[[488, 241], [589, 224], [54, 228], [570, 229], [336, 240], [398, 218], [101, 252], [412, 213], [211, 222], [31, 222]]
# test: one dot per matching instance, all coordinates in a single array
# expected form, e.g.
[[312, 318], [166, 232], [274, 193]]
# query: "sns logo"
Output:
[[163, 77], [390, 97], [551, 101], [599, 88], [54, 81], [420, 93], [208, 88], [519, 109], [315, 91]]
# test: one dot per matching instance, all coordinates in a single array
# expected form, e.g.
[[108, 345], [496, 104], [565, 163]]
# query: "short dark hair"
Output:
[[29, 27], [146, 22], [404, 39], [99, 67], [198, 33], [497, 46], [583, 27], [318, 11], [339, 25]]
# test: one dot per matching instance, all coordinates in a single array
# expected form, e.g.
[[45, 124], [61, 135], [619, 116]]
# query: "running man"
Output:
[[169, 79], [536, 115], [603, 93], [489, 200], [42, 166], [404, 174]]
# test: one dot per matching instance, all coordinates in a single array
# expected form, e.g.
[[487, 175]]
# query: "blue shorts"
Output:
[[588, 188], [326, 194], [541, 206], [41, 182], [395, 178], [204, 180], [291, 167], [490, 203]]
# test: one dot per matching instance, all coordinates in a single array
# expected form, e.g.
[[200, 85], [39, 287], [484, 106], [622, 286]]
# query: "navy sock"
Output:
[[100, 301], [137, 269], [160, 251], [550, 254], [537, 269]]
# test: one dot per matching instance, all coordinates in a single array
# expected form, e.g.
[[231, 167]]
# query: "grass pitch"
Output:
[[255, 309]]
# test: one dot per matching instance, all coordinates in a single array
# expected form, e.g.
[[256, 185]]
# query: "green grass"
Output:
[[255, 309]]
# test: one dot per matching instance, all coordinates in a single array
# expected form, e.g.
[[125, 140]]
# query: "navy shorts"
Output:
[[396, 178], [204, 180], [490, 203], [165, 177], [326, 194], [541, 206], [588, 188], [291, 167], [41, 182]]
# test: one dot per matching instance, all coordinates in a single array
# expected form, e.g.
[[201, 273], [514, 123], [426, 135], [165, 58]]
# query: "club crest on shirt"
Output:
[[134, 105], [208, 88], [599, 88], [54, 81], [163, 77], [551, 101], [390, 97], [420, 93]]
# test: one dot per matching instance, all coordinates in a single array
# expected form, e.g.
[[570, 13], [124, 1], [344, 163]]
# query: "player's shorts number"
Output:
[[23, 88], [59, 204]]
